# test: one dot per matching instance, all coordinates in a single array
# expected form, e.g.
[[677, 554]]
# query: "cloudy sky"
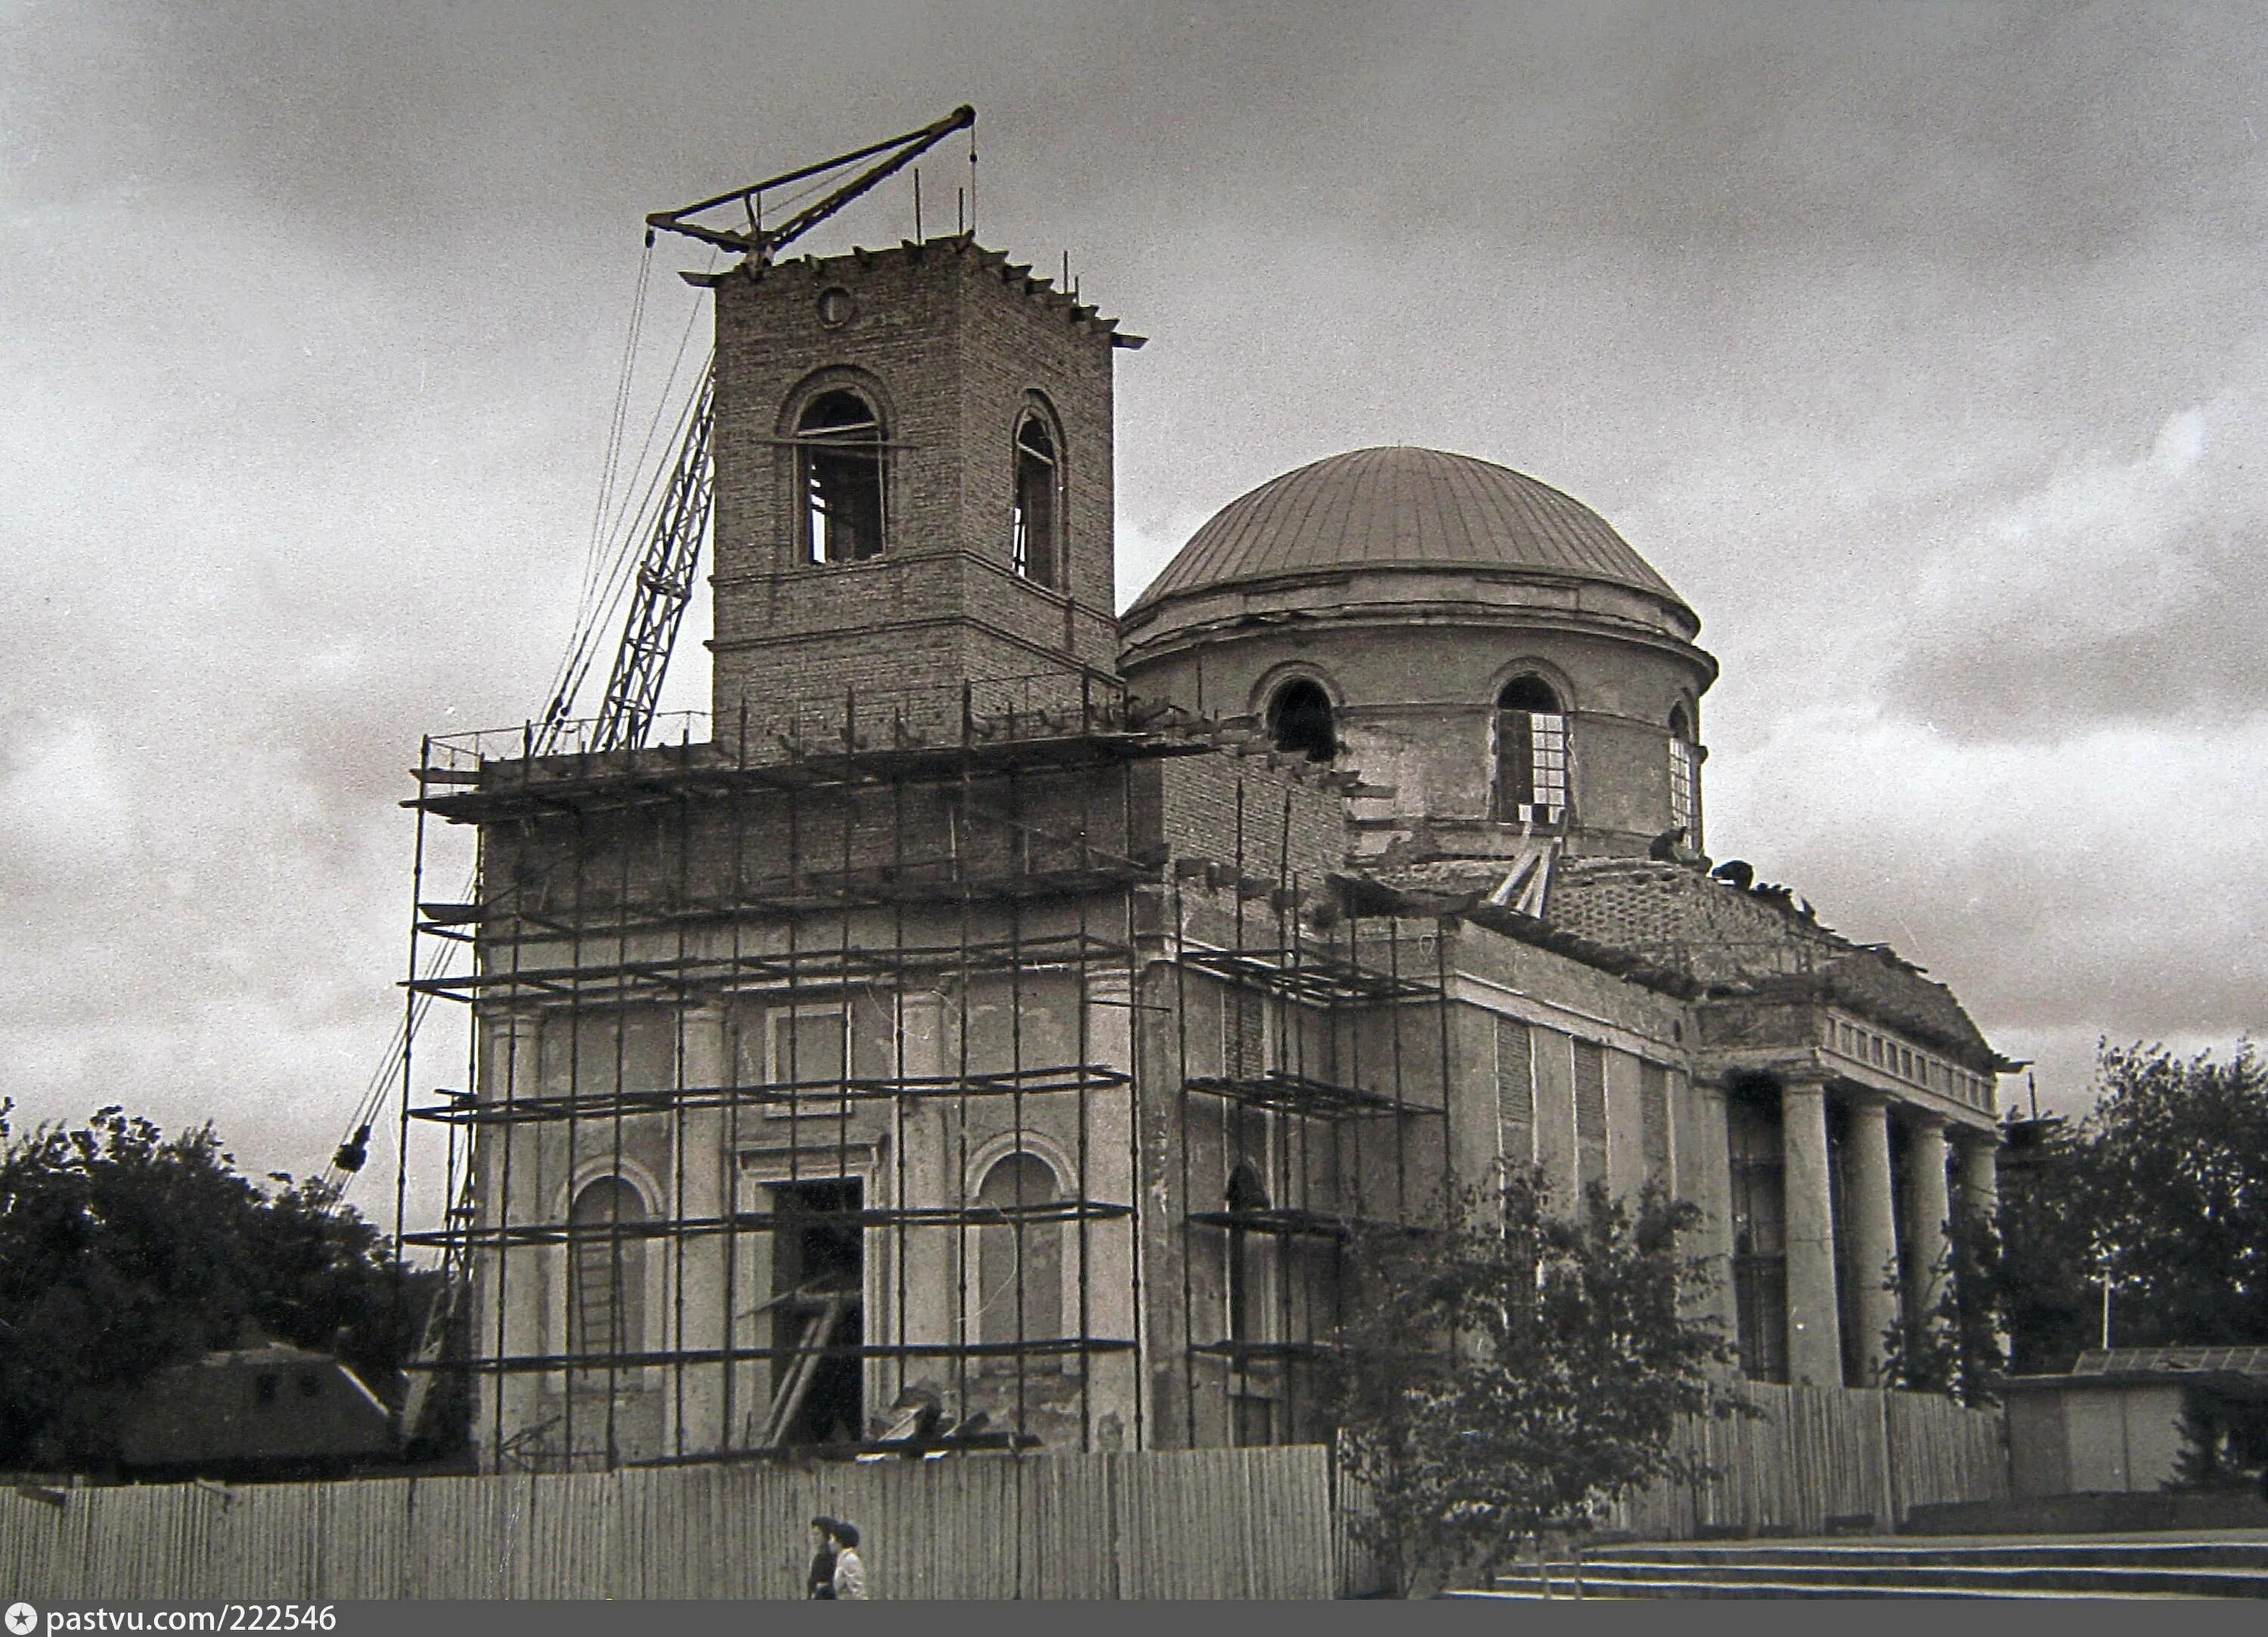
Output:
[[1920, 347]]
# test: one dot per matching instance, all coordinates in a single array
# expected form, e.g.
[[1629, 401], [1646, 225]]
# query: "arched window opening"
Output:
[[839, 449], [1531, 752], [1250, 1287], [1020, 1262], [1685, 777], [606, 1278], [1035, 542], [1299, 719]]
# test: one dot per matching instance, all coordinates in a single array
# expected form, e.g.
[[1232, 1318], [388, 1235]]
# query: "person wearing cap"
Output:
[[819, 1582], [849, 1573]]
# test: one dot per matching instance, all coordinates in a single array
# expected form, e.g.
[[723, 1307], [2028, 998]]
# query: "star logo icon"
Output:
[[23, 1619]]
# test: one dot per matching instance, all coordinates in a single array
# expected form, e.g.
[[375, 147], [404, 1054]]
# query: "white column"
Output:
[[1111, 1248], [1979, 1166], [1702, 1159], [1927, 1214], [930, 1181], [1814, 1346], [1873, 1229]]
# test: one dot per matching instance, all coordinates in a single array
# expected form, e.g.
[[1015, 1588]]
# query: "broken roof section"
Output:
[[1677, 930], [1754, 941]]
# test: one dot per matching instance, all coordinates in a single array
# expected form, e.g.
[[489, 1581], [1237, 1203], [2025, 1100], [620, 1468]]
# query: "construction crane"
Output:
[[665, 579], [760, 243], [669, 561], [662, 589]]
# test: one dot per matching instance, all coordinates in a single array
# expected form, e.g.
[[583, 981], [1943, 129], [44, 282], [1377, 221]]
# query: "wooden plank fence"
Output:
[[1215, 1523], [1820, 1453], [1212, 1523]]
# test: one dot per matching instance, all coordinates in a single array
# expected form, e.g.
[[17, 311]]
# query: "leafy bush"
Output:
[[1517, 1371]]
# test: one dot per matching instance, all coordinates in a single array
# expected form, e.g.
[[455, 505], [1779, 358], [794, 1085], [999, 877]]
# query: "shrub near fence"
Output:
[[1811, 1454], [1202, 1523]]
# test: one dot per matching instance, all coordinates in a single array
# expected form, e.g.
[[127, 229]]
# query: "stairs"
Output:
[[2235, 1565]]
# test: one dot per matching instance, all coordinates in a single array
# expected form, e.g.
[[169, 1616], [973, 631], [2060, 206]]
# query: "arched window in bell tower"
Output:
[[839, 464], [1531, 752], [1300, 721], [1685, 776], [1035, 534]]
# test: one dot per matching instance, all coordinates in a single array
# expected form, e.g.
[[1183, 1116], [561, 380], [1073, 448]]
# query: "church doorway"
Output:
[[819, 1276]]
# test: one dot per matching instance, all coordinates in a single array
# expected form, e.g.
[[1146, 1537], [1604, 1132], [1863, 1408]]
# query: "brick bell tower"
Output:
[[912, 453]]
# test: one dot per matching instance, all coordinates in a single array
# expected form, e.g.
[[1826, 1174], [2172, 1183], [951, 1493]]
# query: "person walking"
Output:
[[849, 1573], [819, 1582]]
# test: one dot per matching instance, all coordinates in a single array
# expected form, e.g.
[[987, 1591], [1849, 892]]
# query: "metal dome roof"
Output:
[[1403, 508]]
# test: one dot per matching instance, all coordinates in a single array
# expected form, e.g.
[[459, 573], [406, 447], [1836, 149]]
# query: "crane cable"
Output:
[[619, 421], [606, 600], [606, 585], [607, 578]]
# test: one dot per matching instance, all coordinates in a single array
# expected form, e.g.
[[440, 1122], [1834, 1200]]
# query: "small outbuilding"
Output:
[[268, 1409], [2120, 1421]]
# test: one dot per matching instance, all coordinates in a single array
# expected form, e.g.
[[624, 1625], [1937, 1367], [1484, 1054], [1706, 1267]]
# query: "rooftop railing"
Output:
[[976, 711]]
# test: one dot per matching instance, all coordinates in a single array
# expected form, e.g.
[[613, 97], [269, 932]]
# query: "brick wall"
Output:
[[1705, 926], [1292, 826], [949, 343]]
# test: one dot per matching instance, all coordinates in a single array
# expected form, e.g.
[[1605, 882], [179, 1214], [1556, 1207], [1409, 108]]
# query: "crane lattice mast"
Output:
[[664, 586], [666, 571], [671, 556]]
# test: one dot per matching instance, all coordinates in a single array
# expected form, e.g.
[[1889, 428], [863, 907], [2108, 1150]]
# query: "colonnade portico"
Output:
[[1866, 1211]]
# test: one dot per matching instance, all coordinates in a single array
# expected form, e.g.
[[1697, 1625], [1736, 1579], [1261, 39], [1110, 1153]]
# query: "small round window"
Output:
[[835, 307]]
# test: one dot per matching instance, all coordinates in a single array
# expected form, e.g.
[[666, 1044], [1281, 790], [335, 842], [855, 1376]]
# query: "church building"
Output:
[[994, 1030]]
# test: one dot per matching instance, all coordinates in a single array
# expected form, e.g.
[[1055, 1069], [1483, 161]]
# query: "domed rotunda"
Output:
[[1486, 651]]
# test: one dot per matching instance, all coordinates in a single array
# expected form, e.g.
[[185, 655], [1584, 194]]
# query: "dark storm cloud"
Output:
[[1919, 346]]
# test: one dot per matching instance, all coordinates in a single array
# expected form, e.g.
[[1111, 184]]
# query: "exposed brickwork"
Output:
[[1719, 934], [1684, 918], [1286, 828], [1049, 937], [950, 342]]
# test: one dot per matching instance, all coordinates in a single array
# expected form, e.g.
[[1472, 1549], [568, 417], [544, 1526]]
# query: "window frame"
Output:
[[1542, 761], [807, 443], [1037, 413], [1757, 1214], [1684, 776], [1253, 1291], [1018, 1237]]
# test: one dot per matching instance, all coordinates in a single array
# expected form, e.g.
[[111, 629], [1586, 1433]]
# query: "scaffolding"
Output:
[[894, 1079]]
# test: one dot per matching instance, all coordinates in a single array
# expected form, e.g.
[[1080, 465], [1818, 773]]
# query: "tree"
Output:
[[1954, 1345], [2164, 1187], [122, 1251], [2047, 1251], [1515, 1371]]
